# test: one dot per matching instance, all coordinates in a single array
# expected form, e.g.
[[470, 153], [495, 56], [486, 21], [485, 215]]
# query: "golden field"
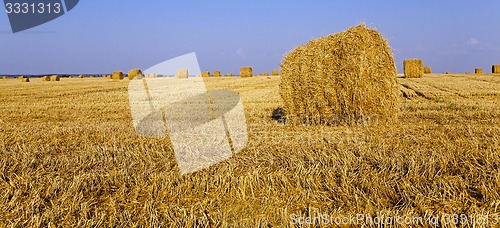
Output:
[[69, 156]]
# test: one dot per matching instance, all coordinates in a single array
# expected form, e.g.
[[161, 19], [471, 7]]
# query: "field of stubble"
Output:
[[69, 156]]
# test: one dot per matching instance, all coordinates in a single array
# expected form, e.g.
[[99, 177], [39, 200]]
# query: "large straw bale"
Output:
[[117, 75], [205, 74], [495, 69], [23, 79], [275, 72], [347, 78], [55, 78], [46, 79], [414, 68], [134, 73], [216, 73], [182, 73], [427, 70], [478, 71], [246, 72]]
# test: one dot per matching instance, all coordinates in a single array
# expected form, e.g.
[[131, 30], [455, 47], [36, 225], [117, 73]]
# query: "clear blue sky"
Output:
[[102, 36]]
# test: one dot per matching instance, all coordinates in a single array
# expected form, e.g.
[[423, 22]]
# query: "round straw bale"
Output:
[[81, 76], [266, 73], [23, 79], [275, 72], [55, 78], [216, 73], [182, 73], [117, 75], [134, 73], [5, 77], [478, 71], [347, 78], [46, 79], [246, 72], [230, 74], [205, 74], [427, 70]]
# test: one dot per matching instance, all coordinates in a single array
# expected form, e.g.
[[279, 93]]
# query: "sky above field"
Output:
[[105, 36]]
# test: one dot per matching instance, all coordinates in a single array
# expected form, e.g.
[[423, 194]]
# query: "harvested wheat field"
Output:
[[69, 156]]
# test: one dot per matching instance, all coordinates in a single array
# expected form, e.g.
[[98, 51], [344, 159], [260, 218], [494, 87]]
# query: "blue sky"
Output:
[[110, 35]]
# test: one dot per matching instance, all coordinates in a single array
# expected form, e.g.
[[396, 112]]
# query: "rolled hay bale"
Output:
[[70, 76], [427, 70], [230, 74], [216, 73], [347, 78], [495, 69], [55, 78], [45, 79], [478, 71], [205, 74], [414, 68], [81, 76], [275, 72], [182, 73], [5, 77], [246, 72], [118, 75], [23, 79], [134, 73], [266, 73]]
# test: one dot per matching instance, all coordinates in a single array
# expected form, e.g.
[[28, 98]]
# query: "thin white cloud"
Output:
[[473, 41], [241, 52]]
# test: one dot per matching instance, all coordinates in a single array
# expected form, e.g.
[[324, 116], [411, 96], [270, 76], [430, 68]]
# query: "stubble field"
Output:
[[69, 156]]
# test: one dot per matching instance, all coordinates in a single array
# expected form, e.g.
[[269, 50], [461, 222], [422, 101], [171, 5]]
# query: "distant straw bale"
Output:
[[134, 73], [246, 72], [478, 71], [266, 73], [81, 76], [427, 70], [117, 75], [495, 69], [23, 79], [5, 77], [205, 74], [414, 68], [230, 74], [216, 73], [275, 72], [348, 78], [182, 73], [55, 78], [45, 79]]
